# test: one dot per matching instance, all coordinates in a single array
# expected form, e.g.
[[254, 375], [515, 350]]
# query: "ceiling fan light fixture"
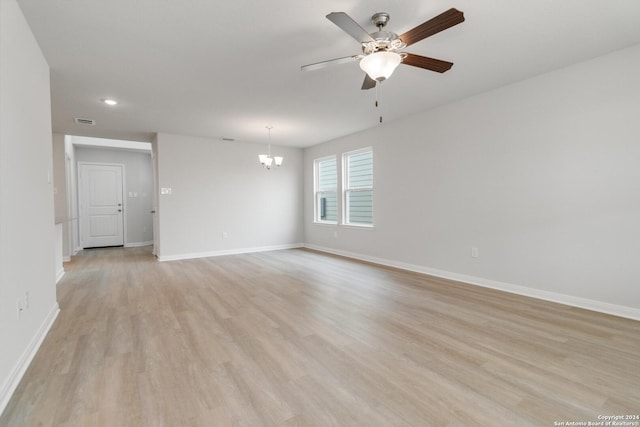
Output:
[[380, 65]]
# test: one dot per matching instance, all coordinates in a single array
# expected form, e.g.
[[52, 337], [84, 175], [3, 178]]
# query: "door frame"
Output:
[[80, 199], [154, 203]]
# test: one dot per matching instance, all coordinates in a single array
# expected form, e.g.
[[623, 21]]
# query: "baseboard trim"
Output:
[[238, 251], [59, 274], [12, 381], [138, 244], [589, 304]]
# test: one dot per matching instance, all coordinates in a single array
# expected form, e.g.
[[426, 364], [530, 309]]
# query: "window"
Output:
[[326, 190], [358, 187]]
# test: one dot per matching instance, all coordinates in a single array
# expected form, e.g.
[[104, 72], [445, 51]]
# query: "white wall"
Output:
[[542, 176], [219, 187], [59, 181], [60, 200], [137, 179], [73, 235], [27, 256]]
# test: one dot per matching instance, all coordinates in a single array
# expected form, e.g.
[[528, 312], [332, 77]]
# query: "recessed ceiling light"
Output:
[[110, 101]]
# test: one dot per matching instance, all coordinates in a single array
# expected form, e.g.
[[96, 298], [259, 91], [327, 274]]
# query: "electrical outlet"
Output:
[[474, 253], [225, 234]]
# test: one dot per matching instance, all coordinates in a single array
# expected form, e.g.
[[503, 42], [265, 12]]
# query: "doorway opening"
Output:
[[110, 193]]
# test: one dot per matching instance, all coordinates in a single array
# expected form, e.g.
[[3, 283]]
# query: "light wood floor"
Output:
[[298, 338]]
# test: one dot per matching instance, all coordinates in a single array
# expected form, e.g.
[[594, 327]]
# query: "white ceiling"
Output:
[[228, 69]]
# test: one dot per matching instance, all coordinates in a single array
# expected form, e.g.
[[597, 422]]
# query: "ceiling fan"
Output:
[[381, 51]]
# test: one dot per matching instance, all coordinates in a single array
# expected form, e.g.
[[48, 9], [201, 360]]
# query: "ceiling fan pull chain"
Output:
[[377, 98]]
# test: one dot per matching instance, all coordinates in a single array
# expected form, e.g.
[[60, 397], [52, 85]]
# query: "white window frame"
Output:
[[346, 190], [317, 192]]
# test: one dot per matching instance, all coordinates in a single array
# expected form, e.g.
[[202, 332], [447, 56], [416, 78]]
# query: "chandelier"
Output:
[[265, 159]]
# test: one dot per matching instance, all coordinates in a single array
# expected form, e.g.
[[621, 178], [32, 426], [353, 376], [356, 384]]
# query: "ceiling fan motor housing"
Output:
[[383, 41]]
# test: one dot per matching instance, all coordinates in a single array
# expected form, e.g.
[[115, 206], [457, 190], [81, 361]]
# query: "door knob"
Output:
[[119, 210]]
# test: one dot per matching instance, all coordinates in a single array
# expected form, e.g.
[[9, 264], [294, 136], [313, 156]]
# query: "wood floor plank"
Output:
[[301, 338]]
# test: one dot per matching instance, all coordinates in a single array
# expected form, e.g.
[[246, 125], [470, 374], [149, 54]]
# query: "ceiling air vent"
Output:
[[89, 122]]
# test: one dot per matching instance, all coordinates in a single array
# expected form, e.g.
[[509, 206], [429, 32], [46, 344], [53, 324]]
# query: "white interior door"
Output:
[[101, 206]]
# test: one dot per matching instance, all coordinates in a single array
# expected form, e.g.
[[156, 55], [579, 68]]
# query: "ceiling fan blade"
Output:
[[433, 26], [437, 65], [368, 82], [330, 62], [349, 26]]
